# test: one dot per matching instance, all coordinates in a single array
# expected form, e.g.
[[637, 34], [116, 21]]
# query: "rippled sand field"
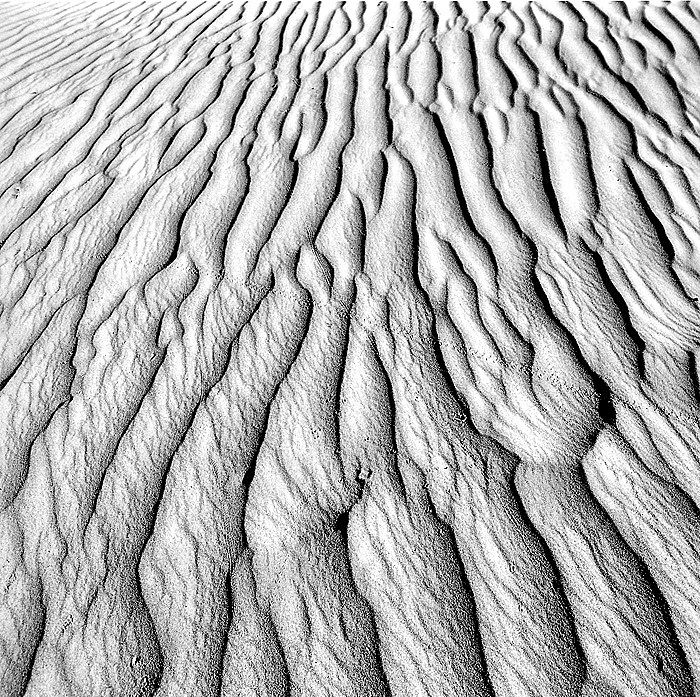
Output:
[[349, 349]]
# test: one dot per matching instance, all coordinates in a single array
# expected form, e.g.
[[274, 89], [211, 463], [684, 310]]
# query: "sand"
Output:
[[349, 349]]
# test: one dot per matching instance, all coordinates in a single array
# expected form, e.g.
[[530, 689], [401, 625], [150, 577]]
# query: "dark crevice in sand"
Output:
[[471, 603], [512, 82], [694, 375], [590, 170], [549, 191], [656, 224], [156, 659], [342, 363], [456, 180], [287, 688], [262, 431], [228, 609], [19, 360], [246, 482], [658, 35], [557, 580], [619, 302], [474, 63], [462, 410], [377, 653], [33, 651], [108, 457], [606, 406], [390, 411]]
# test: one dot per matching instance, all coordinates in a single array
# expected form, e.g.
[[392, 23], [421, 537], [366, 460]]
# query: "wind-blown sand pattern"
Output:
[[349, 349]]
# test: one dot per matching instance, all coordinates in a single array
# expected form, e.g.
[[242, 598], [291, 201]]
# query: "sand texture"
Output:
[[349, 349]]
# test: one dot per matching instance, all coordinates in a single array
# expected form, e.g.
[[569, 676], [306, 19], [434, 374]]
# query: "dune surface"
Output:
[[349, 349]]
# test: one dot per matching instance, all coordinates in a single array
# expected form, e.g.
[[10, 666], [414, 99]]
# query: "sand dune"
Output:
[[349, 349]]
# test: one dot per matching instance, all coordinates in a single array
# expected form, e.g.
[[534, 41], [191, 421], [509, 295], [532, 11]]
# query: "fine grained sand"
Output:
[[349, 350]]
